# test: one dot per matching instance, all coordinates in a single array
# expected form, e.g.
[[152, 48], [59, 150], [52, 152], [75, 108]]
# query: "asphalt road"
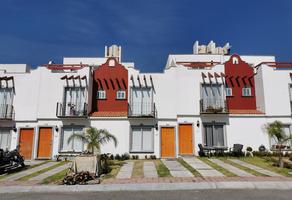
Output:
[[159, 195]]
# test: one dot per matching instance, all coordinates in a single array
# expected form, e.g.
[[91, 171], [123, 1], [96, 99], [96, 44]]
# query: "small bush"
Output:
[[117, 157], [125, 156], [135, 157], [249, 149], [111, 157], [146, 157], [153, 157]]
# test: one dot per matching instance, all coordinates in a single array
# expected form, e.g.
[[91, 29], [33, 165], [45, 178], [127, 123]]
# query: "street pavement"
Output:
[[158, 195]]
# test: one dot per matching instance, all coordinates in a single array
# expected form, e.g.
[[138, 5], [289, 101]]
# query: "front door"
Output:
[[185, 139], [45, 143], [167, 142], [26, 142]]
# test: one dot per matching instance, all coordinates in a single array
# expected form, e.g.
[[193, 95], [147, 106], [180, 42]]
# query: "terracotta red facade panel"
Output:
[[105, 78], [239, 75]]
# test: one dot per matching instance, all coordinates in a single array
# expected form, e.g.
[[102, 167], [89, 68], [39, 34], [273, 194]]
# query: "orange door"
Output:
[[185, 139], [45, 143], [26, 142], [167, 142]]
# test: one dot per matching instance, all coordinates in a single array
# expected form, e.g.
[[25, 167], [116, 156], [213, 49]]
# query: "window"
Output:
[[228, 91], [290, 93], [75, 145], [141, 102], [246, 91], [6, 99], [214, 135], [5, 139], [74, 101], [121, 94], [142, 139], [235, 60], [101, 94], [212, 96]]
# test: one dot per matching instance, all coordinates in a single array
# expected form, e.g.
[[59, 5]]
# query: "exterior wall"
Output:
[[105, 78], [276, 90], [237, 76]]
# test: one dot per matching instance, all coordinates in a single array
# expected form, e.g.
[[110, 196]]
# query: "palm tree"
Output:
[[94, 138], [275, 130]]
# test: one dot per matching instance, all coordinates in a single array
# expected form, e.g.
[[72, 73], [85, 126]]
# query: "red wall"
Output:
[[106, 77], [237, 75]]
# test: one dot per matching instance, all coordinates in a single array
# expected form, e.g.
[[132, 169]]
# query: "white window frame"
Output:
[[141, 149], [61, 150], [228, 91], [101, 94], [246, 91], [121, 94]]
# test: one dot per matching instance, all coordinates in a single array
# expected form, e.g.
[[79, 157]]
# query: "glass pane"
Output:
[[136, 101], [208, 135], [77, 143], [147, 139], [146, 101], [218, 135], [136, 139], [5, 139], [67, 132]]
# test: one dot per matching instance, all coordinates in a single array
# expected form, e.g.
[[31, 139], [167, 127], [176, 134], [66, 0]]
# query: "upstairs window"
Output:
[[246, 91], [228, 91], [101, 94], [121, 94], [235, 60]]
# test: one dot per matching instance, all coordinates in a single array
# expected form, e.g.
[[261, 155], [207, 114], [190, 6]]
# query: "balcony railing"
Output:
[[213, 106], [6, 112], [71, 111], [142, 109]]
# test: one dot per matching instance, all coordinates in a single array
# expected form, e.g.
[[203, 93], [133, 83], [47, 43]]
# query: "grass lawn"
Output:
[[22, 169], [25, 178], [162, 170], [138, 169], [115, 166], [56, 178], [267, 164], [189, 168], [248, 170], [217, 167]]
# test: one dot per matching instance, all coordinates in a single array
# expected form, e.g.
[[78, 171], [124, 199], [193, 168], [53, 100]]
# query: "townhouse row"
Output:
[[208, 97]]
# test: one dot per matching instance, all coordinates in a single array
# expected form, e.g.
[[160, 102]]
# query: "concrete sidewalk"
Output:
[[282, 185]]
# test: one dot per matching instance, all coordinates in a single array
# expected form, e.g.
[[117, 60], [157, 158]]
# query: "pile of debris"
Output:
[[81, 178]]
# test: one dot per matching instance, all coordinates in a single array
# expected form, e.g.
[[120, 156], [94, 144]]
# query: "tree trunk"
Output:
[[280, 161]]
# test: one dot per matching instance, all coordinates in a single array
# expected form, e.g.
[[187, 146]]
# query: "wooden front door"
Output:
[[185, 139], [167, 142], [45, 143], [26, 142]]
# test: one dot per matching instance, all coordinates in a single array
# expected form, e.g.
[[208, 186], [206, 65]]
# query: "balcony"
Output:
[[213, 106], [6, 112], [71, 111], [142, 110]]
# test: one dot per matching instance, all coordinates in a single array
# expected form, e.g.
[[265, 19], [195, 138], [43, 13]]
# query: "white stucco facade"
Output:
[[177, 92]]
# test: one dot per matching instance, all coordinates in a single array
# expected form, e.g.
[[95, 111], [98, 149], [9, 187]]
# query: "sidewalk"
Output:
[[279, 185]]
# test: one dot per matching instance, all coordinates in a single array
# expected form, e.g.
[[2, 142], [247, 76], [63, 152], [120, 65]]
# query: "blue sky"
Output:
[[35, 31]]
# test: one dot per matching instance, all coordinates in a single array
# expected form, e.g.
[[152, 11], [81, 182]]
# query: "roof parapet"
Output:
[[211, 48]]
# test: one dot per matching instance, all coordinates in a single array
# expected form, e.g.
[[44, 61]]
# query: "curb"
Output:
[[286, 185]]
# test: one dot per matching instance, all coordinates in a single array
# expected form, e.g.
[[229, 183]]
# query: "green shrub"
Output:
[[117, 157], [249, 149], [125, 156]]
